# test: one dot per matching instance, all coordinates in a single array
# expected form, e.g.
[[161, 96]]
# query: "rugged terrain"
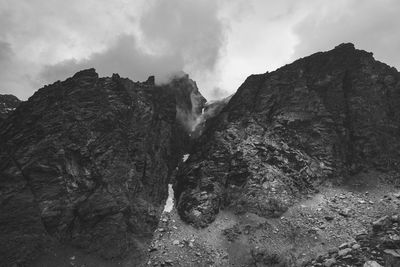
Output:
[[85, 165], [272, 171], [340, 225], [327, 116], [300, 167], [8, 103]]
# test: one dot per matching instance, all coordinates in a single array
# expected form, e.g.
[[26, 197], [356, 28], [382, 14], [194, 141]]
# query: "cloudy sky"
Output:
[[218, 42]]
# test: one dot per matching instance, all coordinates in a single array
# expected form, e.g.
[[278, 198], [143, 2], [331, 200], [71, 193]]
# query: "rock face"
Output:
[[8, 103], [87, 161], [327, 115]]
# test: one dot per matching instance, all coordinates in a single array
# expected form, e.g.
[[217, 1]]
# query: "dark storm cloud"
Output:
[[14, 78], [370, 25], [190, 29], [174, 35]]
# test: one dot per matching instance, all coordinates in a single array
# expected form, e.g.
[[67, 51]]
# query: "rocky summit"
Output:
[[300, 167], [86, 162], [326, 116]]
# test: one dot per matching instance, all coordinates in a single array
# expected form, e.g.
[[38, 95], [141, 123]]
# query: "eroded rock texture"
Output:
[[8, 103], [327, 115], [87, 161]]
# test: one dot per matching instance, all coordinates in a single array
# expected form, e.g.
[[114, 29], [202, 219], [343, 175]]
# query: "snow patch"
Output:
[[185, 157], [170, 200]]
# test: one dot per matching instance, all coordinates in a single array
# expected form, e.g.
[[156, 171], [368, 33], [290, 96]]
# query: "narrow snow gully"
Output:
[[185, 157], [169, 204]]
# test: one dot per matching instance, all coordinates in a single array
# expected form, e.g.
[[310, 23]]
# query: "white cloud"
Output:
[[371, 25], [170, 36], [219, 43]]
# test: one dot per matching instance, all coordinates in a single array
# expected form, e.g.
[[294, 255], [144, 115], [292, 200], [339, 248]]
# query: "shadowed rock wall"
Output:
[[87, 161]]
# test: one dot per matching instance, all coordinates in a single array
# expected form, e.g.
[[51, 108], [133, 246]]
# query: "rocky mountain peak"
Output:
[[86, 163], [88, 73], [331, 114], [150, 80], [345, 46], [190, 101]]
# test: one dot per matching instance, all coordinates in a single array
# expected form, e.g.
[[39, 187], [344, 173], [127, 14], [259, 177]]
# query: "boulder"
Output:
[[372, 264]]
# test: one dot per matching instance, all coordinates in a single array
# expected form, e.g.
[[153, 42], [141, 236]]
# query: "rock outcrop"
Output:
[[325, 116], [8, 103], [380, 245], [86, 162]]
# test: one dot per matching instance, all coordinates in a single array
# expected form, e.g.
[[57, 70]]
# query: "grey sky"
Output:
[[218, 42]]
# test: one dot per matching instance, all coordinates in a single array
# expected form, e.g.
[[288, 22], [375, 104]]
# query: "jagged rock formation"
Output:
[[189, 106], [87, 161], [328, 115], [8, 103]]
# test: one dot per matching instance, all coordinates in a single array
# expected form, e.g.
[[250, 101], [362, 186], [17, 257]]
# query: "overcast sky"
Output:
[[219, 43]]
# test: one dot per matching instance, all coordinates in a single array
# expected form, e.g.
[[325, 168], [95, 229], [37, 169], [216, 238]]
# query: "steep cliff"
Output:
[[87, 161], [328, 115]]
